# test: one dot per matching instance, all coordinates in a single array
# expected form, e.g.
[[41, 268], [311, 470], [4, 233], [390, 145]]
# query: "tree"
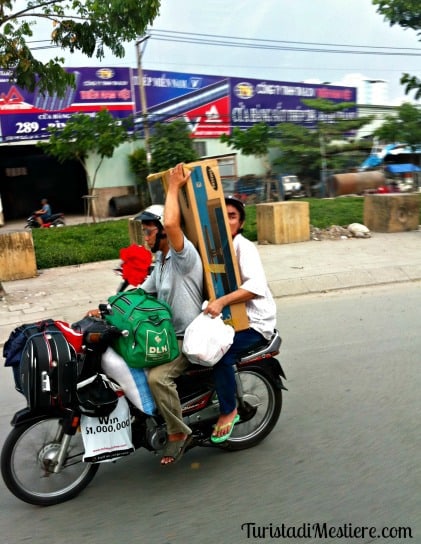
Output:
[[84, 135], [139, 166], [170, 144], [327, 146], [305, 151], [88, 26], [405, 127], [256, 141], [405, 13]]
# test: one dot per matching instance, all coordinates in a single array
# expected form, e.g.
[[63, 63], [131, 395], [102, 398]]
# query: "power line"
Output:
[[268, 44], [281, 45], [272, 67]]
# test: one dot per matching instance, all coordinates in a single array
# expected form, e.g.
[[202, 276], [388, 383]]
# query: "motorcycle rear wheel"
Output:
[[261, 393], [26, 464]]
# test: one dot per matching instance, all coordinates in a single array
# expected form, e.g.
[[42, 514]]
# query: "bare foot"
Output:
[[174, 448]]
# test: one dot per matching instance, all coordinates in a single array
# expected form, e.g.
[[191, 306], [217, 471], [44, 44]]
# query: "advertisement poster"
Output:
[[254, 101], [27, 116], [202, 101], [210, 105]]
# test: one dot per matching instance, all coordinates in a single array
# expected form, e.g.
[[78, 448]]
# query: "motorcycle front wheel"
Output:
[[28, 460], [264, 400]]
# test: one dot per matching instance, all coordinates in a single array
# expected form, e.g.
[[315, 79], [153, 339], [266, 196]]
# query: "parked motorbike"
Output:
[[55, 220], [42, 457]]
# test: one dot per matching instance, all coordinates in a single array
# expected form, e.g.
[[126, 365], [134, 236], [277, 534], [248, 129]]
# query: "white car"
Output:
[[292, 186]]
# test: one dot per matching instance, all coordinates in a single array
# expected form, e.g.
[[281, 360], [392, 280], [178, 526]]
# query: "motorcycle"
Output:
[[55, 220], [42, 457]]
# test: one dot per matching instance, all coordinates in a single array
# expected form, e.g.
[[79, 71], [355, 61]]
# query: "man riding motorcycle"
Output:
[[43, 214]]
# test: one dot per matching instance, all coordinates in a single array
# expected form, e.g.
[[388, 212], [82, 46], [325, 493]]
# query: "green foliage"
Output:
[[405, 127], [299, 151], [138, 163], [407, 14], [82, 135], [412, 83], [335, 211], [139, 166], [88, 26], [87, 243], [250, 226], [252, 141], [171, 144], [305, 151], [80, 244], [302, 151]]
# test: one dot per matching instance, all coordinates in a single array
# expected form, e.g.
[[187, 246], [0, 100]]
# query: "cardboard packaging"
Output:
[[206, 225]]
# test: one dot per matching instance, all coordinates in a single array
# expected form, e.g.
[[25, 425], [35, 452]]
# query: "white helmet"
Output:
[[152, 213]]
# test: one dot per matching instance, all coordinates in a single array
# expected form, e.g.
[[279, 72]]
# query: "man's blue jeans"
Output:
[[223, 371]]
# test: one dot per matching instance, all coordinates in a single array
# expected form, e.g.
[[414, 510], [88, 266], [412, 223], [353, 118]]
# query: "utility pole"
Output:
[[142, 95], [324, 165]]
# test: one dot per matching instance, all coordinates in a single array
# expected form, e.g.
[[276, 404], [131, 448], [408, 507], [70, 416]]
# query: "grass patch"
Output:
[[102, 241], [336, 211], [80, 243]]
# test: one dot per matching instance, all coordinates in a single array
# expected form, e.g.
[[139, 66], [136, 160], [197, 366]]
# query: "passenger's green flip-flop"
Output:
[[223, 438]]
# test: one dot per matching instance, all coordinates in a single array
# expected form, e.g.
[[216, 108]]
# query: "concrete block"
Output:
[[283, 222], [17, 256], [392, 212]]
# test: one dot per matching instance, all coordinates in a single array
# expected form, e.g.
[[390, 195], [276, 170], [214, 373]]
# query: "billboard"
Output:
[[254, 101], [210, 105], [27, 116], [202, 101]]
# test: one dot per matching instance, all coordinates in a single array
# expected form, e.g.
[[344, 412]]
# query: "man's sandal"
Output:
[[229, 426], [175, 450]]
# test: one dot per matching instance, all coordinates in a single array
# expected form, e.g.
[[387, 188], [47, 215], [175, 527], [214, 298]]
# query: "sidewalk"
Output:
[[67, 293]]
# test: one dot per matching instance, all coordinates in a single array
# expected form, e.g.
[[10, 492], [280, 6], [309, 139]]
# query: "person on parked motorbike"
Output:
[[261, 313], [43, 214], [177, 278]]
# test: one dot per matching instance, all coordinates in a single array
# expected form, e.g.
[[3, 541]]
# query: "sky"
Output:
[[331, 24]]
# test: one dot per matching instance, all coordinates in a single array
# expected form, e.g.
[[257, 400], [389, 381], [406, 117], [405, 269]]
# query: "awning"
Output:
[[402, 168], [371, 162]]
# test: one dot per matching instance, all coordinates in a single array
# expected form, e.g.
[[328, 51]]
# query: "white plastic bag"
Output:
[[107, 438], [207, 339]]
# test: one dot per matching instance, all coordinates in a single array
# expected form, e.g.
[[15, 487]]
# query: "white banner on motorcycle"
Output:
[[107, 438]]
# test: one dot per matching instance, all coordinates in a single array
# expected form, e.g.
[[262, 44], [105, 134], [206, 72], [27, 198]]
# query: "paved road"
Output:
[[345, 450]]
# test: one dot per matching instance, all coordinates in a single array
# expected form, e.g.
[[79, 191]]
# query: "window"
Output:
[[14, 172], [200, 148]]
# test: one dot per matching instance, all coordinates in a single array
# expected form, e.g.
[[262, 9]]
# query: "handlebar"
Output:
[[105, 309]]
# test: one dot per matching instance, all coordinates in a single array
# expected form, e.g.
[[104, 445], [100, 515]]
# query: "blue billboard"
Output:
[[210, 105]]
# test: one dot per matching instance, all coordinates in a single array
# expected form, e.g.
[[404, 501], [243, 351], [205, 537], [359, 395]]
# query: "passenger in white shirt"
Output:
[[261, 312]]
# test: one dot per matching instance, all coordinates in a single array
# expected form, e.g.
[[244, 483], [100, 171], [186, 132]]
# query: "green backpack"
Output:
[[151, 340]]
